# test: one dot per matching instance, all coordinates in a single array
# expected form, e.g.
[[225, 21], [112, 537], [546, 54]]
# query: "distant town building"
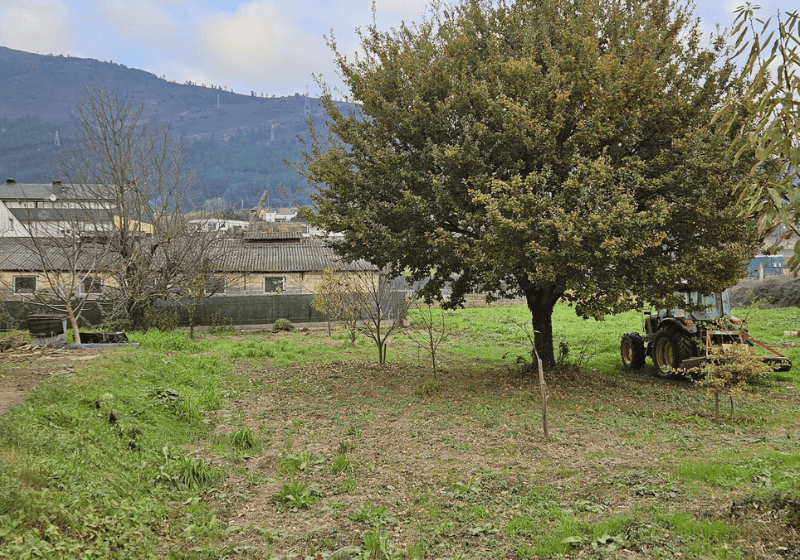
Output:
[[765, 265], [51, 208]]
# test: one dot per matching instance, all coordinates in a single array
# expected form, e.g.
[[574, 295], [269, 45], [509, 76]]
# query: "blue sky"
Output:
[[267, 46]]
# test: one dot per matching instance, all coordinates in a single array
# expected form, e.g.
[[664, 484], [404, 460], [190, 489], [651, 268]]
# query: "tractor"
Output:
[[678, 340]]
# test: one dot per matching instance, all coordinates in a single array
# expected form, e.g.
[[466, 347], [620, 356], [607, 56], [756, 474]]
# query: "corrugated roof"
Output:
[[231, 255], [313, 255], [273, 235], [21, 254]]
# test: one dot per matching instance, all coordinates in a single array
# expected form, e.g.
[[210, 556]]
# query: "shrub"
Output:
[[221, 324], [282, 325], [160, 319], [777, 291], [729, 370]]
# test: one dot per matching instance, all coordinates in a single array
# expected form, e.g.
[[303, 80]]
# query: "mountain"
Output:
[[237, 142]]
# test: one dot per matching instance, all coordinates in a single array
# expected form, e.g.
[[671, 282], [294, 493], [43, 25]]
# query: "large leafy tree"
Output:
[[558, 149]]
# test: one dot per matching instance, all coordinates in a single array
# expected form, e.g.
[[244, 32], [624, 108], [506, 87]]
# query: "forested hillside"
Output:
[[237, 143], [241, 169], [236, 168], [27, 149]]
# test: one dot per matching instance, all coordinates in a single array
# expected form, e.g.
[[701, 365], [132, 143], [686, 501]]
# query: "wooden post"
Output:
[[543, 389]]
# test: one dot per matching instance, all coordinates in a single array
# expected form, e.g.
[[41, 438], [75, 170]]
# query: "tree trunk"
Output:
[[73, 321], [136, 312], [381, 352], [541, 302]]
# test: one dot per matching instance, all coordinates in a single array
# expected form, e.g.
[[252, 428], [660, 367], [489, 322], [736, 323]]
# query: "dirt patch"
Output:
[[23, 366], [450, 470]]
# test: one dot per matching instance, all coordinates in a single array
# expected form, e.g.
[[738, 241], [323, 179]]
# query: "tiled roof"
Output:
[[37, 191]]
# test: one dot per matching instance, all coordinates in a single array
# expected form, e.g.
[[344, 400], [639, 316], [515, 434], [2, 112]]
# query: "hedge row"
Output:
[[777, 291]]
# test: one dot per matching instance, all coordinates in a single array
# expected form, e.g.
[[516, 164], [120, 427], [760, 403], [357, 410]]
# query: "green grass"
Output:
[[291, 443], [91, 465]]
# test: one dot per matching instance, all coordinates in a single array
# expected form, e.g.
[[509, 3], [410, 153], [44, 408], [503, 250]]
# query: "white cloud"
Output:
[[139, 20], [263, 43], [41, 26], [407, 10]]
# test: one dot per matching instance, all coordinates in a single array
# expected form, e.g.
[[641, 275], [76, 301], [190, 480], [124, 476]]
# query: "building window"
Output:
[[92, 285], [25, 284], [274, 284], [215, 285]]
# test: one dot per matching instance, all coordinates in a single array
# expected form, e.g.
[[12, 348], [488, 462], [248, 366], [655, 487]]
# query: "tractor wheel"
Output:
[[632, 351], [670, 348]]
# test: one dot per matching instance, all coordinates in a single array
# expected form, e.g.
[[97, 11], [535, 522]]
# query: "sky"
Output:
[[270, 47]]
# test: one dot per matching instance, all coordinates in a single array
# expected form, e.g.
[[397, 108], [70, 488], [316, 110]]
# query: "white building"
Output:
[[50, 209]]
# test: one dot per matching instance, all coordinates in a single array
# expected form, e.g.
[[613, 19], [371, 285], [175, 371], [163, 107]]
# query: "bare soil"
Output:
[[23, 366]]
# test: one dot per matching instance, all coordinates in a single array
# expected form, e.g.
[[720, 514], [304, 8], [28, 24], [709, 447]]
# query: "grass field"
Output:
[[298, 445]]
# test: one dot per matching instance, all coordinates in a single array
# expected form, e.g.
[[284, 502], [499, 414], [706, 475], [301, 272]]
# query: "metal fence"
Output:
[[228, 310]]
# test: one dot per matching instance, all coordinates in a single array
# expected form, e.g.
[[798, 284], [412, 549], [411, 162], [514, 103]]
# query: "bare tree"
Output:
[[433, 331], [71, 260], [135, 173], [382, 302], [366, 300], [335, 297], [384, 306]]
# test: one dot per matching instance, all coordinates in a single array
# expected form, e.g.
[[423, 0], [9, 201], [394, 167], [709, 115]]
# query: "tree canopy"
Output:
[[557, 149]]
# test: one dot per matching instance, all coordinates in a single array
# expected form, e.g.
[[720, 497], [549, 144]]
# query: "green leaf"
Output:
[[574, 540]]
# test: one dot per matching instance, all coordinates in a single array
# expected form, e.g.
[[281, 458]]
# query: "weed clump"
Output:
[[282, 325], [341, 463], [243, 439], [181, 471], [786, 505], [428, 389], [168, 341], [291, 463], [297, 494], [252, 350]]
